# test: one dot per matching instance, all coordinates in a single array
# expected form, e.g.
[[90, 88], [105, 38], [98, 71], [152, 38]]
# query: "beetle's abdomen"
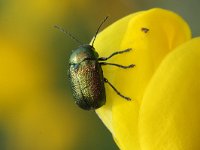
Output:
[[87, 84]]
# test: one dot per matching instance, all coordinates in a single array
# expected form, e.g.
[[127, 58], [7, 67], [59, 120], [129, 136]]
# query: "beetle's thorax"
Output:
[[83, 52]]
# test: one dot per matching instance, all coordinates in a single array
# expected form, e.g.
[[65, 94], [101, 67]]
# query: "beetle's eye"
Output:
[[75, 66]]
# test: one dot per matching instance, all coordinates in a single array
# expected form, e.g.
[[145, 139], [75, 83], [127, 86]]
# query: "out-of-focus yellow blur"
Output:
[[32, 115], [37, 111]]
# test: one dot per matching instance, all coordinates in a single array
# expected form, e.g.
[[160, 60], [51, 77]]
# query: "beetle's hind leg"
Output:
[[113, 54], [117, 65], [127, 98]]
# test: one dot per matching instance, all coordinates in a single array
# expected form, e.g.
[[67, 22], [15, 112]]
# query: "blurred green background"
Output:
[[37, 111]]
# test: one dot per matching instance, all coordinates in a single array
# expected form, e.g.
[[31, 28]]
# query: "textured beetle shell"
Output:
[[87, 83]]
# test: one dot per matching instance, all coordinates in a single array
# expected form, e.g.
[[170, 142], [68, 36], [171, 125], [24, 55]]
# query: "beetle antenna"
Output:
[[69, 34], [99, 29]]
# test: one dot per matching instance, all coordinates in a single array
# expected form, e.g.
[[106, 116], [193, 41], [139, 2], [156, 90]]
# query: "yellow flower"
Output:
[[169, 114], [125, 119]]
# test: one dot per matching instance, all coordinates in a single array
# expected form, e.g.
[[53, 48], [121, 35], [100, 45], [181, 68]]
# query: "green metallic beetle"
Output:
[[86, 75]]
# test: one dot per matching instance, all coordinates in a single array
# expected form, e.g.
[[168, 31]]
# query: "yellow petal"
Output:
[[166, 31], [169, 118]]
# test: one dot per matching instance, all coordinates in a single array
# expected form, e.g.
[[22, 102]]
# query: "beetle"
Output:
[[86, 74]]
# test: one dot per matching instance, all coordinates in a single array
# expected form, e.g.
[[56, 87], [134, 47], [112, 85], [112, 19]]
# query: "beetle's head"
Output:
[[83, 52]]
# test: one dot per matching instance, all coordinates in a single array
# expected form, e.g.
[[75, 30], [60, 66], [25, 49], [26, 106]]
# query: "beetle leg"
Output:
[[127, 98], [117, 65], [113, 54]]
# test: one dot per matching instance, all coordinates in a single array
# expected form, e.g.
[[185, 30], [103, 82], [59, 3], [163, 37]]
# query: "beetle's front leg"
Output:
[[117, 65], [113, 54]]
